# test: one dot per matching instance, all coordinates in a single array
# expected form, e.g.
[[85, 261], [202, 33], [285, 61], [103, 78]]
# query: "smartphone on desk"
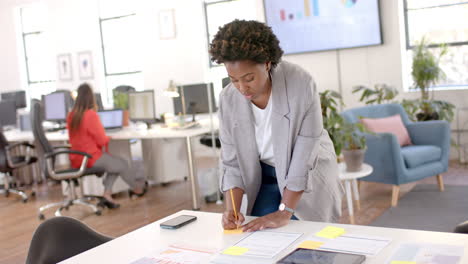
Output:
[[178, 221]]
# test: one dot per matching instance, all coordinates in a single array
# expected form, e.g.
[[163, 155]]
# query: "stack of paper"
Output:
[[336, 239]]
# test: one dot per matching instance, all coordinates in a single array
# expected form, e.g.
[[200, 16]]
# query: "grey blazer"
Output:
[[305, 159]]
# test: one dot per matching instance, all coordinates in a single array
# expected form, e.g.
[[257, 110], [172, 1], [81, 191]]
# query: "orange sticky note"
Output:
[[402, 262], [310, 244], [235, 251], [233, 231], [331, 232]]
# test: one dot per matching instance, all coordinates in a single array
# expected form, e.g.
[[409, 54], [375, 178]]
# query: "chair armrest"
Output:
[[56, 153], [62, 147], [68, 175], [435, 132], [384, 154], [14, 145], [27, 157]]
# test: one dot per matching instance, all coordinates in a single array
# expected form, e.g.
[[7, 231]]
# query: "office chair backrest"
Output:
[[60, 238], [3, 158], [36, 125]]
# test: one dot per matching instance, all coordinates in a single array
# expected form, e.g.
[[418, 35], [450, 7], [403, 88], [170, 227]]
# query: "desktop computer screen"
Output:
[[18, 96], [7, 113], [111, 119], [196, 99], [141, 106], [55, 107]]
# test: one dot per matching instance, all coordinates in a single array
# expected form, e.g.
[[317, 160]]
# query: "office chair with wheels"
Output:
[[10, 162], [70, 176], [60, 238]]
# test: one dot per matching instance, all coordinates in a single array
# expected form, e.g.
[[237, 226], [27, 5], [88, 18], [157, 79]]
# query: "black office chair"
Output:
[[462, 228], [60, 238], [70, 176], [10, 162]]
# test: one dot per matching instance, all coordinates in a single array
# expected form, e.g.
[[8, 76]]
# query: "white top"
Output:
[[366, 170], [262, 123], [207, 233]]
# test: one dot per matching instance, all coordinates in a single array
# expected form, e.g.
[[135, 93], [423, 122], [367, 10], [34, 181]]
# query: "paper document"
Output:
[[349, 243], [266, 244], [176, 255], [426, 253]]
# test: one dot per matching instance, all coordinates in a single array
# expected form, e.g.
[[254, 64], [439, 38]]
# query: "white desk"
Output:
[[207, 232], [155, 132]]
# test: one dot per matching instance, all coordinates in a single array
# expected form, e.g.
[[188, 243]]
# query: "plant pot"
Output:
[[427, 116], [353, 159], [126, 118]]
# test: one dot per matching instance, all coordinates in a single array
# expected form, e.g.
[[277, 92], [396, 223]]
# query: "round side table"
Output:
[[350, 178]]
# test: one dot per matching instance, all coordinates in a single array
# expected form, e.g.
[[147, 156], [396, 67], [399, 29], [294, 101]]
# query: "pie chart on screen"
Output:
[[349, 3]]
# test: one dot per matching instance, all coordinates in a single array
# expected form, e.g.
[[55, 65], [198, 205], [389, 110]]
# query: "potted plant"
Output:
[[121, 101], [354, 145], [381, 93], [332, 120], [426, 72]]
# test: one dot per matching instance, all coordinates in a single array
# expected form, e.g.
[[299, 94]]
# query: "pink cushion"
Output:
[[391, 124]]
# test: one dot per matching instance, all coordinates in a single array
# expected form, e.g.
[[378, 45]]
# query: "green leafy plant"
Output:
[[330, 101], [381, 93], [351, 135], [120, 100], [426, 72]]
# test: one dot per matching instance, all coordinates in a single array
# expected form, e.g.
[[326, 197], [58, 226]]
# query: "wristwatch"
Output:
[[283, 207]]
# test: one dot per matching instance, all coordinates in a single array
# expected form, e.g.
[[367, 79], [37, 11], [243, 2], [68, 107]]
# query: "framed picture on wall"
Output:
[[167, 28], [85, 65], [65, 71]]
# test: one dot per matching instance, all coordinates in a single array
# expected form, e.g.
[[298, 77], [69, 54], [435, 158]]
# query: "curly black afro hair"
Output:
[[245, 40]]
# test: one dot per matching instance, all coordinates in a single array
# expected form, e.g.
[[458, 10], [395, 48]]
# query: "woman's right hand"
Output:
[[229, 220]]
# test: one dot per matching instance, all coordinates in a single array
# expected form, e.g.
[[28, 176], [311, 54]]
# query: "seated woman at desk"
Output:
[[87, 134], [273, 145]]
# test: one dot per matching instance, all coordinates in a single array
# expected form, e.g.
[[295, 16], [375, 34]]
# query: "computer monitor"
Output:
[[196, 99], [7, 113], [55, 106], [141, 106], [18, 96], [226, 81], [98, 99], [25, 122], [111, 119]]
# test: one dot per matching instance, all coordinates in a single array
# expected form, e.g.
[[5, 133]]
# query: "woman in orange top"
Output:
[[87, 134]]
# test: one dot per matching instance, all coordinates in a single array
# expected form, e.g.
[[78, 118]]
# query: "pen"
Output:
[[234, 207]]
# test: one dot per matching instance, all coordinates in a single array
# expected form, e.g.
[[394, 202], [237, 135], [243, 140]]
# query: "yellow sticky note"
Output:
[[331, 232], [235, 251], [402, 262], [310, 244], [233, 231]]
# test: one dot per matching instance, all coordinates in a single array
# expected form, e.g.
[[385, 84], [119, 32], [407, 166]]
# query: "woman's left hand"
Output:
[[273, 220]]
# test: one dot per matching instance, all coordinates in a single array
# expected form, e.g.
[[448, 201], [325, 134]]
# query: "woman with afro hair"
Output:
[[274, 148]]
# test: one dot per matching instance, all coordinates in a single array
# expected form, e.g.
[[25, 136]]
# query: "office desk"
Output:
[[206, 232], [156, 132]]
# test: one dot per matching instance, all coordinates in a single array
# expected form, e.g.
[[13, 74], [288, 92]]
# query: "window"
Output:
[[121, 40], [440, 22], [218, 13], [39, 61]]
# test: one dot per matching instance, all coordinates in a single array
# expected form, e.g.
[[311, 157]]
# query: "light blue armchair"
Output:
[[428, 156]]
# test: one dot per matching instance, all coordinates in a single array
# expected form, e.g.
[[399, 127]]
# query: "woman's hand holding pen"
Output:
[[229, 219]]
